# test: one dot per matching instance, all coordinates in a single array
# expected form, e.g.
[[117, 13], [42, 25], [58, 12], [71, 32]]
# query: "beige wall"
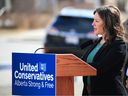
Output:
[[22, 5]]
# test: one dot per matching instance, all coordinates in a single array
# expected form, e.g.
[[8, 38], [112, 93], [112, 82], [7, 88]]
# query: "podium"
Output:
[[68, 66], [47, 74]]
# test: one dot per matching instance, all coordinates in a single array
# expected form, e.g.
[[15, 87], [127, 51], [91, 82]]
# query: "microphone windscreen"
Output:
[[85, 44]]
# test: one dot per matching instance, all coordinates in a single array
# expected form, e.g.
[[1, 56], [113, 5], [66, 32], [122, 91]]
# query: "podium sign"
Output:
[[33, 74]]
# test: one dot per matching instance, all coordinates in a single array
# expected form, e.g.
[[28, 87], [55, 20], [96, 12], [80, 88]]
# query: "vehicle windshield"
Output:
[[76, 24]]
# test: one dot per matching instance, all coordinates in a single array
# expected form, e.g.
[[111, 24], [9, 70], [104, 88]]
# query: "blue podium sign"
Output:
[[33, 74]]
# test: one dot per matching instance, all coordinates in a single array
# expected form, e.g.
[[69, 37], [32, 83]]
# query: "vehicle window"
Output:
[[77, 24]]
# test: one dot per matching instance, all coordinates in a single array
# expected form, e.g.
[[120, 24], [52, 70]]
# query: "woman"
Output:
[[106, 54]]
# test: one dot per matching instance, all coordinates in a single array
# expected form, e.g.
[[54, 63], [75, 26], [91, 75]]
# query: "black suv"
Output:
[[69, 30]]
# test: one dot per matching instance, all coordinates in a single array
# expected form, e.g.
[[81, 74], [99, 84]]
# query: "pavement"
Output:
[[22, 41]]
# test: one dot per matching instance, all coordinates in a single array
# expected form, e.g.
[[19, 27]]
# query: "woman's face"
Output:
[[98, 25]]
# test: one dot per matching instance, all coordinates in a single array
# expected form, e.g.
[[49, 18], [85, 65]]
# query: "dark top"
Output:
[[108, 61], [125, 69]]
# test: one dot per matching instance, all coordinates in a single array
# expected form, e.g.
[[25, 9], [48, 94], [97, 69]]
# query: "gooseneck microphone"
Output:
[[38, 49], [78, 51], [58, 48]]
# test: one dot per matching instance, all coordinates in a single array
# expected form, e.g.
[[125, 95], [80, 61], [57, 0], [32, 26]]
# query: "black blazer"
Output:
[[108, 61], [125, 67]]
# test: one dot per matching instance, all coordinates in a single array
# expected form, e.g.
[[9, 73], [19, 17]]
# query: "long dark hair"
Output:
[[112, 22]]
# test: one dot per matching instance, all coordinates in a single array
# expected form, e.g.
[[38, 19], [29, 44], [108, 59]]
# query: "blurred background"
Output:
[[23, 25]]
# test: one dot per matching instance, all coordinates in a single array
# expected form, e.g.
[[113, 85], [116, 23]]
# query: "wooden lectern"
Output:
[[68, 66]]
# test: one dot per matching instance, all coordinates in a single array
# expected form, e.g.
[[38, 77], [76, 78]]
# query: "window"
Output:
[[77, 24]]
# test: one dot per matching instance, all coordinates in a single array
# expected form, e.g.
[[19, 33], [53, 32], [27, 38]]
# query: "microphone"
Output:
[[63, 50], [78, 51], [38, 49], [59, 49], [86, 44]]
